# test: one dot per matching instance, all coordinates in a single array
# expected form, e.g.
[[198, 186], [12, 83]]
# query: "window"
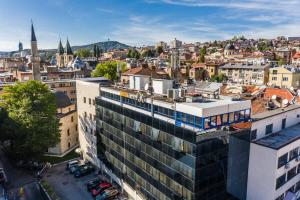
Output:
[[283, 123], [274, 78], [91, 116], [274, 71], [84, 99], [280, 181], [76, 127], [298, 116], [90, 101], [72, 119], [85, 114], [68, 131], [253, 134], [269, 129], [282, 160], [285, 79], [291, 173], [293, 153], [93, 101], [281, 197]]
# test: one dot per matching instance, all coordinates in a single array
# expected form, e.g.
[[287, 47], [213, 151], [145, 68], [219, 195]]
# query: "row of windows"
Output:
[[287, 157], [295, 188], [213, 121], [90, 100], [280, 181], [274, 78], [154, 153], [153, 172]]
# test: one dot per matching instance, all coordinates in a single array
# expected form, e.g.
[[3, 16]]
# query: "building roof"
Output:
[[271, 113], [33, 38], [62, 100], [145, 71], [229, 46], [244, 66], [296, 55], [282, 138], [60, 49], [279, 92], [68, 49]]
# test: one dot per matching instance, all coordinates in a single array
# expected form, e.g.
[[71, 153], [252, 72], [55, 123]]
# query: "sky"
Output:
[[144, 22]]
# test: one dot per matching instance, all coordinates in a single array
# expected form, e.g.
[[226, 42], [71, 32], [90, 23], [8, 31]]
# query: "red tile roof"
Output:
[[282, 93]]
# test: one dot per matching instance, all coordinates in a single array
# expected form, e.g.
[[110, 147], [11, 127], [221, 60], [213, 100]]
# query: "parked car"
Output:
[[107, 194], [100, 188], [82, 171], [93, 183], [71, 164], [3, 178], [74, 168]]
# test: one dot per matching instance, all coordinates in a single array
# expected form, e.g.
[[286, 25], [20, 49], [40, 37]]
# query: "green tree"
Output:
[[133, 53], [202, 54], [159, 50], [32, 123], [218, 78], [148, 53], [83, 53], [281, 62], [108, 69]]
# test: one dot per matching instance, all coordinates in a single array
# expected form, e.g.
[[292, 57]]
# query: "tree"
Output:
[[218, 78], [96, 51], [159, 50], [32, 123], [108, 69], [133, 53], [281, 62], [148, 53], [202, 54], [83, 53]]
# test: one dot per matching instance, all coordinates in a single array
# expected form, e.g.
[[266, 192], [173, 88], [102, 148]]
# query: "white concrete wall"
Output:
[[261, 173], [87, 139], [276, 120]]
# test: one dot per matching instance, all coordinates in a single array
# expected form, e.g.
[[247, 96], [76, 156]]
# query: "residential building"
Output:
[[67, 87], [87, 90], [296, 59], [284, 54], [175, 44], [284, 77], [156, 148], [68, 126], [274, 154], [246, 73]]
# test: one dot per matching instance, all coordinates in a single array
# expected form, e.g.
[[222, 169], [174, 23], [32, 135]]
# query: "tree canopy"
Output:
[[159, 50], [148, 53], [109, 69], [202, 54], [30, 124], [83, 53], [133, 53], [218, 78]]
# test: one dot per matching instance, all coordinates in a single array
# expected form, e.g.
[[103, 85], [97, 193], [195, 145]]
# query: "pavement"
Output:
[[65, 185], [21, 184]]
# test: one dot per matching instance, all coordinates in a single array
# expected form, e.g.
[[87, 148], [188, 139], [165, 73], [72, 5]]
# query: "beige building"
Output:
[[66, 112], [68, 87], [285, 77], [87, 90], [246, 73]]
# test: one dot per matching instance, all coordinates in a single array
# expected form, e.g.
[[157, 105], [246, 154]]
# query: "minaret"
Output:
[[35, 58]]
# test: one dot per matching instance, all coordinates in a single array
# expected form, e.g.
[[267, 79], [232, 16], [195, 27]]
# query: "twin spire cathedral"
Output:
[[64, 56]]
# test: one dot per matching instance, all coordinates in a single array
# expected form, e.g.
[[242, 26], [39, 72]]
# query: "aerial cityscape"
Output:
[[149, 100]]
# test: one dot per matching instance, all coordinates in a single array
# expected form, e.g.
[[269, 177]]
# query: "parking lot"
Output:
[[66, 186]]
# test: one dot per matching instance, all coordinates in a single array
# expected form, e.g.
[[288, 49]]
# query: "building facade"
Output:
[[285, 77], [157, 152]]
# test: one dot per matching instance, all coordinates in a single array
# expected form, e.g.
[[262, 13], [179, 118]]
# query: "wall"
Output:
[[87, 126]]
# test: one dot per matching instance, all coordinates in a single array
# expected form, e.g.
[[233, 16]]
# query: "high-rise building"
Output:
[[156, 148], [35, 58]]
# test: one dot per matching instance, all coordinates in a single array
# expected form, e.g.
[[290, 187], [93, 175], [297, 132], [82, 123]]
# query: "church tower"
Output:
[[60, 55], [68, 55], [35, 58]]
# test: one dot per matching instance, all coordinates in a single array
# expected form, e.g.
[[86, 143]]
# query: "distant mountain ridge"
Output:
[[105, 46]]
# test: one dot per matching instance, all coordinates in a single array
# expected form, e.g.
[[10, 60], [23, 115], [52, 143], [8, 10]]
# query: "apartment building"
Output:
[[284, 77], [87, 90], [273, 162], [157, 148], [246, 73], [67, 115], [68, 87]]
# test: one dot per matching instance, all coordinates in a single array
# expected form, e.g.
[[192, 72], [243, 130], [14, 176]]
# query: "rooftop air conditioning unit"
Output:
[[287, 166], [173, 94]]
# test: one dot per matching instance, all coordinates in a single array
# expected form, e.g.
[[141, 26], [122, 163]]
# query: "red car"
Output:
[[100, 188]]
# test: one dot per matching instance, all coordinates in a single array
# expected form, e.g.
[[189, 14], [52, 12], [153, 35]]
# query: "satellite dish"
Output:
[[274, 97], [285, 101]]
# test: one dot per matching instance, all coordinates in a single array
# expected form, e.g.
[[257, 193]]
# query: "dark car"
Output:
[[93, 183], [82, 171], [74, 168], [100, 188]]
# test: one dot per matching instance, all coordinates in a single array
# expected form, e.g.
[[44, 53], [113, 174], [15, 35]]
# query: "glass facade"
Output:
[[158, 159]]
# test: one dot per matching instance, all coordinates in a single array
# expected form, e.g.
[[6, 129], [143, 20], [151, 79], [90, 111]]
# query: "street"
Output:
[[21, 184]]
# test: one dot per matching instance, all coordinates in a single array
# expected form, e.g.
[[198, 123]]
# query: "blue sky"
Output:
[[144, 22]]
